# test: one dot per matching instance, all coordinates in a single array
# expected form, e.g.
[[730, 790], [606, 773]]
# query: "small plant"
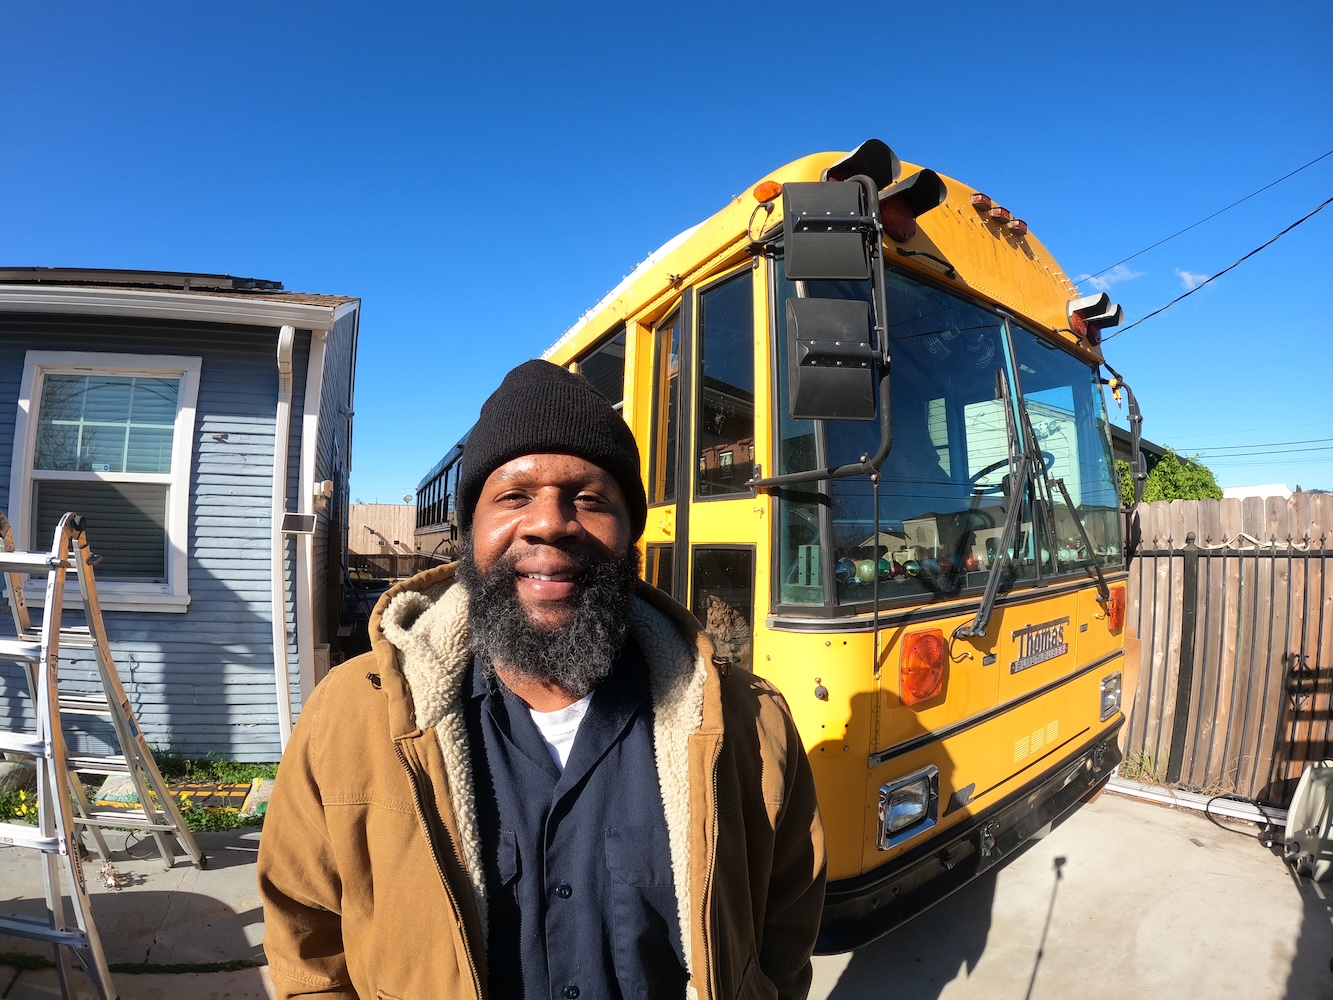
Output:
[[216, 769], [18, 805], [1139, 766]]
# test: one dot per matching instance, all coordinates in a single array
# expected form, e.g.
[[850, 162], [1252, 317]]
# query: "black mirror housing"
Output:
[[826, 231], [832, 365]]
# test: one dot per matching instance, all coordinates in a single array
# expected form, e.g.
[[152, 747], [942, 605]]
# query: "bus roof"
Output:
[[961, 243]]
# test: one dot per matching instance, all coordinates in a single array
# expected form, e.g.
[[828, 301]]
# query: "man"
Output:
[[538, 782]]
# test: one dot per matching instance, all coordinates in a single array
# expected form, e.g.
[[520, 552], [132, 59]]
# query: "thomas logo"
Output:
[[1039, 643]]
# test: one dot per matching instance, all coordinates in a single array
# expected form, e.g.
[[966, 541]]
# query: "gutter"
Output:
[[278, 560], [1211, 804]]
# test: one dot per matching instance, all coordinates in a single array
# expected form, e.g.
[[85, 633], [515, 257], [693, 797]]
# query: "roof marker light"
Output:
[[1018, 227], [767, 191], [1091, 314], [1001, 214], [981, 202], [901, 204]]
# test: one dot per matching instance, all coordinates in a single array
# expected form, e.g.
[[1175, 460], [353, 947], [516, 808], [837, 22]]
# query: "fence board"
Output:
[[1260, 704]]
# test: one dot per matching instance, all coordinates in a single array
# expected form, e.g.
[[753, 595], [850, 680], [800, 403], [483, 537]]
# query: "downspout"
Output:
[[278, 564], [305, 562]]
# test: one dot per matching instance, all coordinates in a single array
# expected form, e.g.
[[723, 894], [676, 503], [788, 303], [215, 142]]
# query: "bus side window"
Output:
[[604, 367], [723, 601]]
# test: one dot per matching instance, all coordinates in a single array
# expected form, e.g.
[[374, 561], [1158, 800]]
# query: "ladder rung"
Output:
[[23, 835], [37, 928], [25, 743], [124, 818], [111, 764], [84, 704], [27, 562], [75, 637], [20, 651]]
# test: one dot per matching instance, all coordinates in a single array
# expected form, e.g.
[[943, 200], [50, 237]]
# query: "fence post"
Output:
[[1185, 673]]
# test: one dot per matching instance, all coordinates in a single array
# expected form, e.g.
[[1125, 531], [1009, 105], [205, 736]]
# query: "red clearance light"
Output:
[[1115, 609], [1078, 324], [921, 673], [1018, 227], [767, 191], [1001, 214], [981, 202]]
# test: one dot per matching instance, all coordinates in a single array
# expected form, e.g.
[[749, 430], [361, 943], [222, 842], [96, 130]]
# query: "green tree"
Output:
[[1175, 478]]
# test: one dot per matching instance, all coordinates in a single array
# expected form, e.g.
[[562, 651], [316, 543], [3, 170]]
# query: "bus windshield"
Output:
[[944, 491]]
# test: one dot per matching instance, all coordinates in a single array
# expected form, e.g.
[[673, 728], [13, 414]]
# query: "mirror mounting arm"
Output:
[[869, 465]]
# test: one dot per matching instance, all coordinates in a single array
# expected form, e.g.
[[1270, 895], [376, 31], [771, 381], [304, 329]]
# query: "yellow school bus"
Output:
[[878, 462]]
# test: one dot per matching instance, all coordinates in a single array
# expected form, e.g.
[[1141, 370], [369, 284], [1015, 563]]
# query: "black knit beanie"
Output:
[[541, 407]]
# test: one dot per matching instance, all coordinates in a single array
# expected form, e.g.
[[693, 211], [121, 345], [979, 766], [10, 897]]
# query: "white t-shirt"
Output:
[[559, 728]]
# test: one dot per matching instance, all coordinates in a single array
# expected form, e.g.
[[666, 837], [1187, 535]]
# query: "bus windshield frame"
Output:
[[943, 492]]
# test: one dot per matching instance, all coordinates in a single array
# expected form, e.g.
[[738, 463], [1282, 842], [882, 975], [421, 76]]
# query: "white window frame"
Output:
[[172, 596]]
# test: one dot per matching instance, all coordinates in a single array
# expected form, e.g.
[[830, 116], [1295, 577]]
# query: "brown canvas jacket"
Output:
[[368, 864]]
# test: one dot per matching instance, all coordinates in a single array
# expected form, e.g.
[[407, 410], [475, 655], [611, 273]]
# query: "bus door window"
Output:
[[724, 439], [723, 600], [659, 568], [666, 410]]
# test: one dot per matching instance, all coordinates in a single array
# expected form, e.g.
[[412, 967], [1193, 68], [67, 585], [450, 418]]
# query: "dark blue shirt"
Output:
[[577, 864]]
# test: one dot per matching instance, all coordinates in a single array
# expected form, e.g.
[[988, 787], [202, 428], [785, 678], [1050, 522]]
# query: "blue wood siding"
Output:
[[200, 682]]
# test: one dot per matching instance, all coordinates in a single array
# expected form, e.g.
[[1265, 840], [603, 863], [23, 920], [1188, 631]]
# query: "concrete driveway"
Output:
[[1125, 900], [1149, 902]]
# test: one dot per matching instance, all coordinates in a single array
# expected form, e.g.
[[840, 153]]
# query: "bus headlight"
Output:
[[1110, 696], [908, 806]]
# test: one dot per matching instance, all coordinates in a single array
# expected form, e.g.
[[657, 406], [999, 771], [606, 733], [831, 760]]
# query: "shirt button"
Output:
[[571, 992], [564, 892]]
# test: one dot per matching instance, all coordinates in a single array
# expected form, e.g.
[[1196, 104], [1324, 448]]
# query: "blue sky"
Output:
[[481, 175]]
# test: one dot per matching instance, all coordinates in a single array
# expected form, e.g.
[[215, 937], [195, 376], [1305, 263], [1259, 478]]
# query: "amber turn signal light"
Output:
[[921, 674], [1115, 609], [767, 191]]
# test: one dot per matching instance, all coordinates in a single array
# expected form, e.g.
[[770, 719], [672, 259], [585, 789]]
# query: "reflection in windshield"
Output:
[[944, 490]]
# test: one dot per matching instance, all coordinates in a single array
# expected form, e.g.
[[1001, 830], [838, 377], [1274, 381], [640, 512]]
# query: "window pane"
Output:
[[799, 551], [1068, 418], [725, 436], [126, 524], [662, 481], [724, 601], [661, 567], [105, 423], [605, 369]]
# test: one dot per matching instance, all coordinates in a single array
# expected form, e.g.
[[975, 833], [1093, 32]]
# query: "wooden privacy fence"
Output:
[[1234, 606]]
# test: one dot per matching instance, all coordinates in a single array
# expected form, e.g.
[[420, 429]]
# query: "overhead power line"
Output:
[[1206, 218], [1219, 274], [1263, 444]]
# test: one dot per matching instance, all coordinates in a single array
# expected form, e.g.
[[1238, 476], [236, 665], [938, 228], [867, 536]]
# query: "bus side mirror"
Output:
[[832, 369], [827, 224]]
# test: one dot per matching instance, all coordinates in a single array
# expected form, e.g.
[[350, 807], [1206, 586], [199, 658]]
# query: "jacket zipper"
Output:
[[435, 856]]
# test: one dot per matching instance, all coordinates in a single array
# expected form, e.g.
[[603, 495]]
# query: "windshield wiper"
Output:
[[1017, 490]]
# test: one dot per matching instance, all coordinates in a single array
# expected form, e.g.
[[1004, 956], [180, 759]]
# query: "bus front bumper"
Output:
[[859, 910]]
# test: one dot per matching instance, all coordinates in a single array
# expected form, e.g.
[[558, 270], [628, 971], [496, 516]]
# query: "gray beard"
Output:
[[575, 657]]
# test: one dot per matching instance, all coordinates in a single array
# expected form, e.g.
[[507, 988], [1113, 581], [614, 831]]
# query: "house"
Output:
[[203, 426]]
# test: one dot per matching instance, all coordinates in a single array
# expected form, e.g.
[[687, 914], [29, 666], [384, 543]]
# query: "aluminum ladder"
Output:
[[63, 808]]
